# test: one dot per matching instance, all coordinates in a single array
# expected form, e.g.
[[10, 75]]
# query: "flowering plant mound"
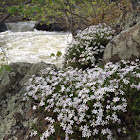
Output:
[[88, 47], [87, 104]]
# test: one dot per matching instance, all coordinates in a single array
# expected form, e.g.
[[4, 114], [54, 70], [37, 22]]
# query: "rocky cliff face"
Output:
[[16, 115]]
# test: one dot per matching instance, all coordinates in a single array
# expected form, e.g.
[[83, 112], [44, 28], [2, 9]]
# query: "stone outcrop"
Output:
[[125, 45], [136, 4], [131, 18], [17, 116]]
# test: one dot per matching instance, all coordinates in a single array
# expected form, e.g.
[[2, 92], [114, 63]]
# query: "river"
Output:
[[23, 44]]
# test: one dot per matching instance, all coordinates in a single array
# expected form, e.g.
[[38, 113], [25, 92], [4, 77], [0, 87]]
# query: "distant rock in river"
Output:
[[3, 27], [50, 27]]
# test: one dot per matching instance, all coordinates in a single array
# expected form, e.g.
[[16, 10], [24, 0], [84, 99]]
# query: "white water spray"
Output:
[[34, 46]]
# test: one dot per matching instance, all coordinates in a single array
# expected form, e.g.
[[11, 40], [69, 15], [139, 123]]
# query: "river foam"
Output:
[[35, 46]]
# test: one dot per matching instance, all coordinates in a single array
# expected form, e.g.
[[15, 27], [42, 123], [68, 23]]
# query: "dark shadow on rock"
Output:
[[50, 27], [3, 27]]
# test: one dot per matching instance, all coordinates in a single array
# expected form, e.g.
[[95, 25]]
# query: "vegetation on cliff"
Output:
[[85, 100]]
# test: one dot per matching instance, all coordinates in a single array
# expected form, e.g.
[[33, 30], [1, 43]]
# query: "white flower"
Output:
[[103, 131], [41, 103], [116, 99], [108, 107], [62, 88], [33, 133], [34, 107], [118, 130], [126, 81], [94, 111], [95, 131]]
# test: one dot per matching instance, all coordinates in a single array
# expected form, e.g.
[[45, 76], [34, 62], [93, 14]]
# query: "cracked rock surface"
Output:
[[125, 45], [16, 115]]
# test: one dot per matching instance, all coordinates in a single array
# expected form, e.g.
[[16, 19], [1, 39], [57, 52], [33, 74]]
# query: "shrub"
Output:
[[98, 102], [109, 11], [87, 49]]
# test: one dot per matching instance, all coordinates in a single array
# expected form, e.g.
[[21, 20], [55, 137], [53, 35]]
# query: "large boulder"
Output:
[[125, 45], [17, 116]]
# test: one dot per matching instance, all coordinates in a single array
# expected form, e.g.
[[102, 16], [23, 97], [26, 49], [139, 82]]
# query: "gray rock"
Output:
[[131, 18], [136, 4], [125, 45], [16, 115]]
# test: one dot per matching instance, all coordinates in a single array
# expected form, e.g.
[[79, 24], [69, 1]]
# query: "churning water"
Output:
[[24, 45]]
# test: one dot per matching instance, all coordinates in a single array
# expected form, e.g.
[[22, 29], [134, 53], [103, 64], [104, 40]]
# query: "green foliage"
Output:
[[5, 67], [12, 10], [57, 56], [87, 49], [52, 55], [10, 6], [72, 14]]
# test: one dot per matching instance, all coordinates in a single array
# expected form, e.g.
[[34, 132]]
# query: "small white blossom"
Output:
[[34, 107]]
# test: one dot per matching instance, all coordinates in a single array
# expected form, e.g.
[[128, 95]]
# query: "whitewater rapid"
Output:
[[34, 46]]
